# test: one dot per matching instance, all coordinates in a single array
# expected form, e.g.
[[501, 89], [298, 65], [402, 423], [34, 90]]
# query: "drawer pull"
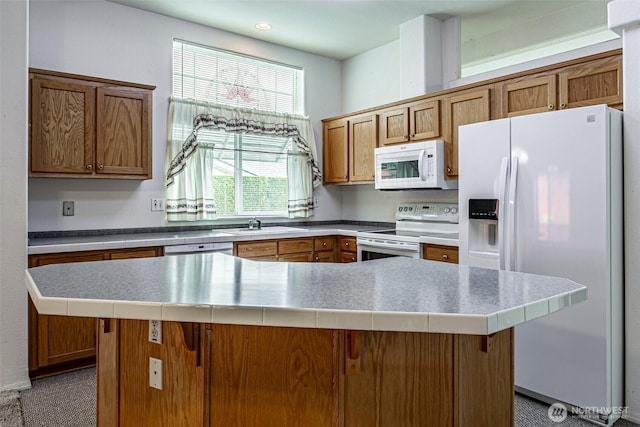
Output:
[[324, 243], [445, 256], [346, 244]]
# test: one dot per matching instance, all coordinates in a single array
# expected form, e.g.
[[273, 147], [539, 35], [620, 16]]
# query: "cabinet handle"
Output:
[[317, 258], [448, 169], [445, 256], [406, 136], [413, 135], [100, 167], [563, 105], [324, 243], [346, 244], [89, 167], [551, 106], [353, 259]]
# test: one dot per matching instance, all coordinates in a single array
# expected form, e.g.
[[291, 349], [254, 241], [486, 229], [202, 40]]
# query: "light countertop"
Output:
[[396, 294], [137, 240]]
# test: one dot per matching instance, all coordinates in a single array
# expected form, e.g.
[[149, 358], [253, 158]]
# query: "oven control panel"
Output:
[[418, 211]]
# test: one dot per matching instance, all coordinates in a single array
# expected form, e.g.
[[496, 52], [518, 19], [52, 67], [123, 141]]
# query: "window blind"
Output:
[[221, 77]]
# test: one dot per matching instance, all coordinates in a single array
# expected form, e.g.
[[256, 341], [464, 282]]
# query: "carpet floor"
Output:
[[68, 400]]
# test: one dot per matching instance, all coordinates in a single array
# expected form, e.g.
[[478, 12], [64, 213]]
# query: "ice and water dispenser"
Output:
[[483, 230]]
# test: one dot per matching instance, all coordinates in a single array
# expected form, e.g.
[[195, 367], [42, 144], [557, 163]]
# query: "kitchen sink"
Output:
[[263, 230]]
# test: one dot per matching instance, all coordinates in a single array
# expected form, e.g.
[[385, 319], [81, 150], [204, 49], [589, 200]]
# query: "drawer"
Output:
[[348, 256], [347, 244], [300, 257], [256, 249], [440, 253], [324, 256], [324, 243], [292, 246]]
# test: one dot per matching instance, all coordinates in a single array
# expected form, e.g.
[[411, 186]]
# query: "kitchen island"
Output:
[[389, 342]]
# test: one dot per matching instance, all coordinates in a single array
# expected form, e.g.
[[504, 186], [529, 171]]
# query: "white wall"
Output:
[[13, 190], [104, 39], [624, 15], [371, 78]]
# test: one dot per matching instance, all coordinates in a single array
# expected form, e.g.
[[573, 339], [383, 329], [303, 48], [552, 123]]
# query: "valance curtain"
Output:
[[189, 181]]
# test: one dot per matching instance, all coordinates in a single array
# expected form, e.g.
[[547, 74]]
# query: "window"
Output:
[[249, 171]]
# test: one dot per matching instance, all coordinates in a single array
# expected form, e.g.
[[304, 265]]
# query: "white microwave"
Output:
[[418, 165]]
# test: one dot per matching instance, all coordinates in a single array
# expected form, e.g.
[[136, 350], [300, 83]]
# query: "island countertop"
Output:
[[394, 294]]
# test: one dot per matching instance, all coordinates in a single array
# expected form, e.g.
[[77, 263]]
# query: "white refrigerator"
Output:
[[542, 194]]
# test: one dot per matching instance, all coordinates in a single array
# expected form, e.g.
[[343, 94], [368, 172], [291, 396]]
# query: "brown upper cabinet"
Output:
[[335, 151], [594, 82], [472, 107], [348, 149], [415, 122], [348, 140], [86, 127]]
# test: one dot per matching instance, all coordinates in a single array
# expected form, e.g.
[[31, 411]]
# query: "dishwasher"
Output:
[[220, 247]]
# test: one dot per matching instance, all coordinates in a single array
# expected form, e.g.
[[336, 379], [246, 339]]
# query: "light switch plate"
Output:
[[157, 204], [68, 208]]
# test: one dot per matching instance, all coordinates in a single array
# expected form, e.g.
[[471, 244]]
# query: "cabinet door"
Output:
[[65, 339], [394, 126], [462, 110], [123, 137], [529, 96], [324, 256], [265, 376], [292, 246], [61, 127], [335, 151], [424, 120], [363, 139], [598, 82], [400, 379]]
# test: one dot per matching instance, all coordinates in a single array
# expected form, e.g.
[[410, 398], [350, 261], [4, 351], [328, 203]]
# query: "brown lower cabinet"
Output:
[[235, 375], [307, 249], [62, 343], [441, 253]]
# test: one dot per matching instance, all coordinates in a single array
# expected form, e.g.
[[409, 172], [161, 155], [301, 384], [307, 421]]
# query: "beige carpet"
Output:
[[10, 412]]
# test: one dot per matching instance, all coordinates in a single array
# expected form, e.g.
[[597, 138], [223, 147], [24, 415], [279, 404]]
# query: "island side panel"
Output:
[[107, 373], [484, 379], [401, 379], [269, 376], [180, 403]]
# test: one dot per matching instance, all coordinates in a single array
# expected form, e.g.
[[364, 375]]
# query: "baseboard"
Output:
[[22, 385], [634, 417]]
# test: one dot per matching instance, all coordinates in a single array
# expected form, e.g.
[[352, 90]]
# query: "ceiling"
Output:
[[334, 28]]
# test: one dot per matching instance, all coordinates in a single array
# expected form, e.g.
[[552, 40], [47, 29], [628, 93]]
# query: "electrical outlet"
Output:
[[155, 373], [315, 202], [68, 208], [157, 204], [155, 331]]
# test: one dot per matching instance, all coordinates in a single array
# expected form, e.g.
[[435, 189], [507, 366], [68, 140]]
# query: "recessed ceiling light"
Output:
[[263, 26]]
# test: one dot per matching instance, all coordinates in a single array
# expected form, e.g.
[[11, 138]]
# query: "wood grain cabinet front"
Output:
[[441, 253], [348, 249], [62, 343], [349, 149], [598, 81], [85, 127], [318, 249], [416, 121]]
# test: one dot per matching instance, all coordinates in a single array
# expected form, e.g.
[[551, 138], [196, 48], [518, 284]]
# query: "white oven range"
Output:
[[413, 221]]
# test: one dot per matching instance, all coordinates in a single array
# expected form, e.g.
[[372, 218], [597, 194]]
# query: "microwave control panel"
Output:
[[445, 212]]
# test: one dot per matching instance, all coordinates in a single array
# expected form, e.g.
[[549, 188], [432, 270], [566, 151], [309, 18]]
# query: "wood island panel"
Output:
[[404, 379], [180, 403], [264, 376], [240, 375]]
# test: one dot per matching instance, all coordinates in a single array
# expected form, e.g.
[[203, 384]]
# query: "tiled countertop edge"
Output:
[[451, 323]]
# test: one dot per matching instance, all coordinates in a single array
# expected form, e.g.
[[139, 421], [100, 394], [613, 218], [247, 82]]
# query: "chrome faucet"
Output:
[[252, 223]]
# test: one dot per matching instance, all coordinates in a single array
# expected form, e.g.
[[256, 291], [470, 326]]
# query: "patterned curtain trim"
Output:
[[300, 207], [179, 162], [267, 124]]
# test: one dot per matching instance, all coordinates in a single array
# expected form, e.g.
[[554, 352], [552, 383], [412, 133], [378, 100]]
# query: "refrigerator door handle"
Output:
[[511, 218], [504, 170]]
